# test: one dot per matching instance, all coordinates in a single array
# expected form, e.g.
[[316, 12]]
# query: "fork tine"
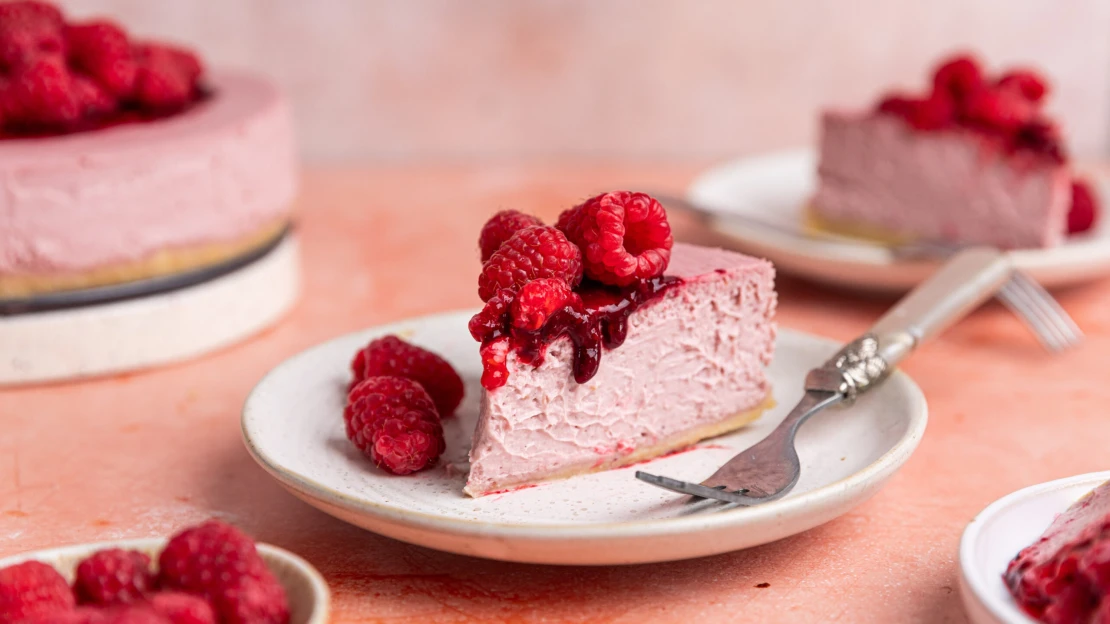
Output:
[[1020, 304], [1053, 310], [693, 489]]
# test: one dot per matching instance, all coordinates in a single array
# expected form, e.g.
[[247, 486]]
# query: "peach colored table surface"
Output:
[[143, 454]]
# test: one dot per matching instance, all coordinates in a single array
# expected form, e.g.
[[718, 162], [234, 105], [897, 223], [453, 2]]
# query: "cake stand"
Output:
[[147, 323]]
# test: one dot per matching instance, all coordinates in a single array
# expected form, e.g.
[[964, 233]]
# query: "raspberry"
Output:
[[201, 559], [181, 608], [959, 77], [101, 50], [252, 601], [29, 31], [624, 236], [375, 398], [166, 77], [113, 576], [899, 105], [393, 421], [42, 95], [492, 317], [532, 253], [1084, 208], [93, 101], [999, 110], [1027, 82], [934, 113], [500, 227], [537, 301], [408, 444], [392, 356], [136, 614], [80, 615], [32, 589]]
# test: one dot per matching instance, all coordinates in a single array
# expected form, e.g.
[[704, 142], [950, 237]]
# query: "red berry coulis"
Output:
[[595, 320]]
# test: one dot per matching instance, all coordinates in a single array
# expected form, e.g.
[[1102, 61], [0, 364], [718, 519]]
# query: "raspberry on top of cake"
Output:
[[60, 76], [974, 159]]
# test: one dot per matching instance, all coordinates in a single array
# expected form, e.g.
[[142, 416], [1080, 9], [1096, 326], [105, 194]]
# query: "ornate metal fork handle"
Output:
[[771, 468]]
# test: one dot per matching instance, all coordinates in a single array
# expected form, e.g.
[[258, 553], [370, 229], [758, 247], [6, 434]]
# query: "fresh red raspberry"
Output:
[[392, 356], [537, 301], [1005, 111], [80, 615], [201, 559], [136, 614], [166, 77], [100, 49], [32, 589], [899, 105], [934, 113], [500, 227], [29, 31], [1027, 82], [42, 95], [252, 601], [376, 398], [182, 608], [532, 253], [93, 100], [408, 444], [1084, 208], [959, 77], [492, 317], [113, 576], [393, 421], [624, 236]]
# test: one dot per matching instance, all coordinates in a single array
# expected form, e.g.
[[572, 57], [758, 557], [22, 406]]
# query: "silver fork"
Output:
[[770, 469], [1022, 295]]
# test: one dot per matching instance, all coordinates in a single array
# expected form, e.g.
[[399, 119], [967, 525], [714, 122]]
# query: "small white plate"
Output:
[[307, 592], [999, 532], [775, 188], [292, 425]]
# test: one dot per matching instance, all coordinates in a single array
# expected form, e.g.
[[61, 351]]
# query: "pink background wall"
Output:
[[659, 80]]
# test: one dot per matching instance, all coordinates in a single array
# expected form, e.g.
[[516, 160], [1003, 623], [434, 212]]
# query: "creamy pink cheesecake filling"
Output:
[[216, 173], [876, 171], [693, 358]]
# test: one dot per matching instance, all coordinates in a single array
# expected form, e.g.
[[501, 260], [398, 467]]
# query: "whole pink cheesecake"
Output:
[[691, 366], [974, 161], [141, 199], [1065, 575]]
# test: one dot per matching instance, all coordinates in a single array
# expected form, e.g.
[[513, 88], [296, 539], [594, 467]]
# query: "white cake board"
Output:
[[149, 331]]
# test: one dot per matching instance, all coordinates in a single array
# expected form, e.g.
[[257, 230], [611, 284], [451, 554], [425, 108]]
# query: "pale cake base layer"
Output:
[[164, 262], [674, 443], [818, 224]]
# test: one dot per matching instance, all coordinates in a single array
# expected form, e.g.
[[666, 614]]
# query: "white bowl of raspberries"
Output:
[[211, 573]]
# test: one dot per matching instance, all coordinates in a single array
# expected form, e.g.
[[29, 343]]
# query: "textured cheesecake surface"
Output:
[[207, 182], [878, 176], [691, 367]]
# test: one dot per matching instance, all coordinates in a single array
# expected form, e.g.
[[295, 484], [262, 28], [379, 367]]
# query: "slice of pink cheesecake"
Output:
[[974, 161], [1065, 575], [882, 178], [691, 366]]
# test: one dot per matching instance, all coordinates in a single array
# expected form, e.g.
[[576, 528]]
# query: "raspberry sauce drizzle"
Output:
[[597, 321]]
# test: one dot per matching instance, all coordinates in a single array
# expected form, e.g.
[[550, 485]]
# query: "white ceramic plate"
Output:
[[999, 532], [307, 592], [775, 188], [292, 425]]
